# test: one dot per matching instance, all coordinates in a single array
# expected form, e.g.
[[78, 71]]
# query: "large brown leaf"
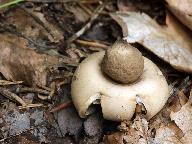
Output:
[[17, 62], [182, 10], [172, 43]]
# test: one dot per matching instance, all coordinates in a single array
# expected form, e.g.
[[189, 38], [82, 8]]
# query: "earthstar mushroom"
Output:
[[114, 79]]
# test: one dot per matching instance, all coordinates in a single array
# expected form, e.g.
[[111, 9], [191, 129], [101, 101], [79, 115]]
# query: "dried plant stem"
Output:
[[92, 44], [12, 96], [10, 3], [44, 87], [52, 1], [5, 82], [32, 90], [62, 106], [31, 106]]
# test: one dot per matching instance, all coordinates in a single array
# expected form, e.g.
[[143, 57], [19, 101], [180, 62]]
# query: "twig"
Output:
[[87, 25], [90, 1], [32, 90], [31, 106], [53, 89], [12, 96], [92, 44], [65, 1], [42, 97], [52, 1], [10, 3], [62, 106], [5, 82], [44, 87]]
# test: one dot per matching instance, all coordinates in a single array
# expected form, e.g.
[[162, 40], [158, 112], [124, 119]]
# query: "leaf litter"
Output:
[[41, 48], [181, 11], [171, 43]]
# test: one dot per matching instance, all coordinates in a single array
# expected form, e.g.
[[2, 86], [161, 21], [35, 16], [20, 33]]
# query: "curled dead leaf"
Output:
[[183, 118], [172, 43], [182, 10], [165, 135]]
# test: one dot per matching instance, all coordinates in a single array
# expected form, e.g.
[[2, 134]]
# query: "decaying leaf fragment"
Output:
[[165, 135], [172, 43], [19, 63], [182, 10], [33, 24], [183, 119]]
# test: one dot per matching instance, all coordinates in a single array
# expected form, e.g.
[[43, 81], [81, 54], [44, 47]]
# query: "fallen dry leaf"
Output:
[[33, 25], [183, 118], [19, 63], [172, 43], [55, 34], [182, 10], [79, 13], [165, 135]]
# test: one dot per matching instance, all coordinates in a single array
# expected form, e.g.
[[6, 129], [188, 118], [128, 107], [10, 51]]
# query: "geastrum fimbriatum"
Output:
[[114, 78]]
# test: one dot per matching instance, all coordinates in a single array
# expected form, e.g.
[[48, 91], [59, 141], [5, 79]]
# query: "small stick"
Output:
[[65, 1], [44, 87], [90, 1], [12, 96], [91, 43], [5, 82], [62, 106], [42, 97], [96, 13], [52, 1], [31, 106], [53, 89], [10, 3], [32, 90]]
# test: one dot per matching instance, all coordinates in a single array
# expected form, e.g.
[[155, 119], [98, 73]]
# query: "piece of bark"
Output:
[[19, 63]]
